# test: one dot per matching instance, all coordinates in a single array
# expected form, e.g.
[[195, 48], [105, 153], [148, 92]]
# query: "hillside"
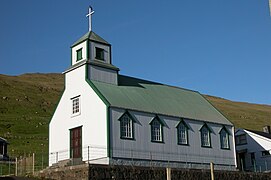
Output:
[[28, 102]]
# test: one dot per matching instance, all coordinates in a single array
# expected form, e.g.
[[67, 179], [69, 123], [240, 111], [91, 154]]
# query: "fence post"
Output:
[[16, 166], [88, 154], [212, 171], [33, 163], [168, 173], [56, 157]]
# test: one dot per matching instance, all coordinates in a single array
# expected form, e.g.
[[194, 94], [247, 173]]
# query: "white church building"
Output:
[[107, 118]]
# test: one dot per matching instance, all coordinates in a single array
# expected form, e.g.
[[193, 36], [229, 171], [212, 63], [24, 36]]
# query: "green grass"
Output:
[[28, 102]]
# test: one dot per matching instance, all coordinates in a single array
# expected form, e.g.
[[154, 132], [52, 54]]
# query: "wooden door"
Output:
[[76, 142]]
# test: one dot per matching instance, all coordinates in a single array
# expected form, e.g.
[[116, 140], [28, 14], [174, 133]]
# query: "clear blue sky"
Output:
[[217, 47]]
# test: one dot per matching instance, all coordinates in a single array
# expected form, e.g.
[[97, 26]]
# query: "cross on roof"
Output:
[[90, 12]]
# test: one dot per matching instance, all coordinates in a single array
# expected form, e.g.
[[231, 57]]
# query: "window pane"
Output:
[[205, 137], [75, 105], [79, 54], [99, 53], [126, 127], [224, 139], [156, 130], [182, 134]]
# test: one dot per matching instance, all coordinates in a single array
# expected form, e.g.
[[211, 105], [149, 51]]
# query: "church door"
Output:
[[76, 142]]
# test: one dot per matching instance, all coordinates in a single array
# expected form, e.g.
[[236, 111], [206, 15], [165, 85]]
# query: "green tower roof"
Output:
[[90, 36]]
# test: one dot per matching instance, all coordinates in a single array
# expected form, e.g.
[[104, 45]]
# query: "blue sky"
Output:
[[217, 47]]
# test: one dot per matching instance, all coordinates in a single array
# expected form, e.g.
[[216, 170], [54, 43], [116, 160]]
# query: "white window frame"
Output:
[[205, 136], [182, 133], [126, 127], [156, 131], [76, 105], [224, 139]]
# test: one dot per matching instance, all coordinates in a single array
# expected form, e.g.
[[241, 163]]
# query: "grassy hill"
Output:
[[28, 102]]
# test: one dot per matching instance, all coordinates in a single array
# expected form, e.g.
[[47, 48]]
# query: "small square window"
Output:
[[241, 139], [79, 54], [99, 53], [75, 105], [265, 153]]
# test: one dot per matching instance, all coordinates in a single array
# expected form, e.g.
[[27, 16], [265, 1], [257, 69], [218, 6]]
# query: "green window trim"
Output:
[[225, 130], [128, 127], [202, 138], [182, 122], [155, 132], [99, 53], [79, 54]]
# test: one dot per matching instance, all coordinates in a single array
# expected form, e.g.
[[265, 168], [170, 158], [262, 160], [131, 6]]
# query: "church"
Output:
[[107, 118]]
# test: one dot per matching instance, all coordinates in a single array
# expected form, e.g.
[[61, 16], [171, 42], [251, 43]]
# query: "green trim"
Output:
[[182, 121], [110, 54], [59, 98], [87, 50], [186, 131], [162, 129], [129, 114], [79, 54], [71, 56], [159, 119], [224, 127], [227, 132], [87, 78], [209, 134], [205, 124], [133, 126], [109, 148], [63, 91], [106, 102]]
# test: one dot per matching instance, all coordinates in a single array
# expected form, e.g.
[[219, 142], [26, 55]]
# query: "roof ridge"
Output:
[[172, 86]]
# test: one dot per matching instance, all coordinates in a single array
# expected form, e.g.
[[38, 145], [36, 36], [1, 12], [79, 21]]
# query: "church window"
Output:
[[224, 138], [76, 105], [241, 139], [156, 130], [99, 53], [205, 136], [79, 54], [126, 126], [266, 153], [182, 133]]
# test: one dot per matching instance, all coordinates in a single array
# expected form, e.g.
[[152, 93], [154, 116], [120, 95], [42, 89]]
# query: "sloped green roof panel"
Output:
[[90, 36], [146, 96]]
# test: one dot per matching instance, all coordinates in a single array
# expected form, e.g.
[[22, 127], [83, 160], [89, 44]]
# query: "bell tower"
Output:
[[96, 53]]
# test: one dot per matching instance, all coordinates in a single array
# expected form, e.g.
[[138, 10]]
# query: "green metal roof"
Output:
[[146, 96], [91, 36]]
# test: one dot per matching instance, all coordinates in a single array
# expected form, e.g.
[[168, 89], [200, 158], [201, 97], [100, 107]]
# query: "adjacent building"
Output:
[[253, 149]]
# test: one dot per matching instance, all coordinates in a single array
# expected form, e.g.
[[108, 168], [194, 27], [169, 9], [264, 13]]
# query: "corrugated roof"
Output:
[[91, 36], [146, 96]]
